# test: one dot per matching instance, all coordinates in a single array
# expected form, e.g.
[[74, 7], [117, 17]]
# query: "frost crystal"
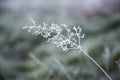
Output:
[[54, 33]]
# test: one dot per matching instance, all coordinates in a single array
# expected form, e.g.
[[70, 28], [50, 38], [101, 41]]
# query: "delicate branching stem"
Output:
[[71, 42], [85, 53], [61, 40]]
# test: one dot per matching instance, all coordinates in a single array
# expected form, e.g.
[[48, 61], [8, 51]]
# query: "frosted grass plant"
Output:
[[55, 35]]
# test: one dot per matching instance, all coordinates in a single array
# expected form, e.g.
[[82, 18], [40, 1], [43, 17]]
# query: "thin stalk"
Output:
[[84, 52]]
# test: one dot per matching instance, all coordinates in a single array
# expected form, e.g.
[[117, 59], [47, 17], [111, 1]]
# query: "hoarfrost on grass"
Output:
[[55, 34], [69, 41]]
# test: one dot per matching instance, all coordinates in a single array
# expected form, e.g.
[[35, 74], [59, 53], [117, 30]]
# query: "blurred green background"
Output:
[[101, 24]]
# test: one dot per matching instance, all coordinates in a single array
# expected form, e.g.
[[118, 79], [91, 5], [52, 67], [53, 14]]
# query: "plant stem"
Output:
[[95, 63]]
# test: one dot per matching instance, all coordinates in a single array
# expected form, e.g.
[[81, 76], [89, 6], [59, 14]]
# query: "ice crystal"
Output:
[[62, 36], [66, 42]]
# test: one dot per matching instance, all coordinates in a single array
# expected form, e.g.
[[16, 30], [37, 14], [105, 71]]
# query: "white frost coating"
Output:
[[55, 35], [70, 41]]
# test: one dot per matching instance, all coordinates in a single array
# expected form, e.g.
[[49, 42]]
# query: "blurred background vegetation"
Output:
[[100, 20]]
